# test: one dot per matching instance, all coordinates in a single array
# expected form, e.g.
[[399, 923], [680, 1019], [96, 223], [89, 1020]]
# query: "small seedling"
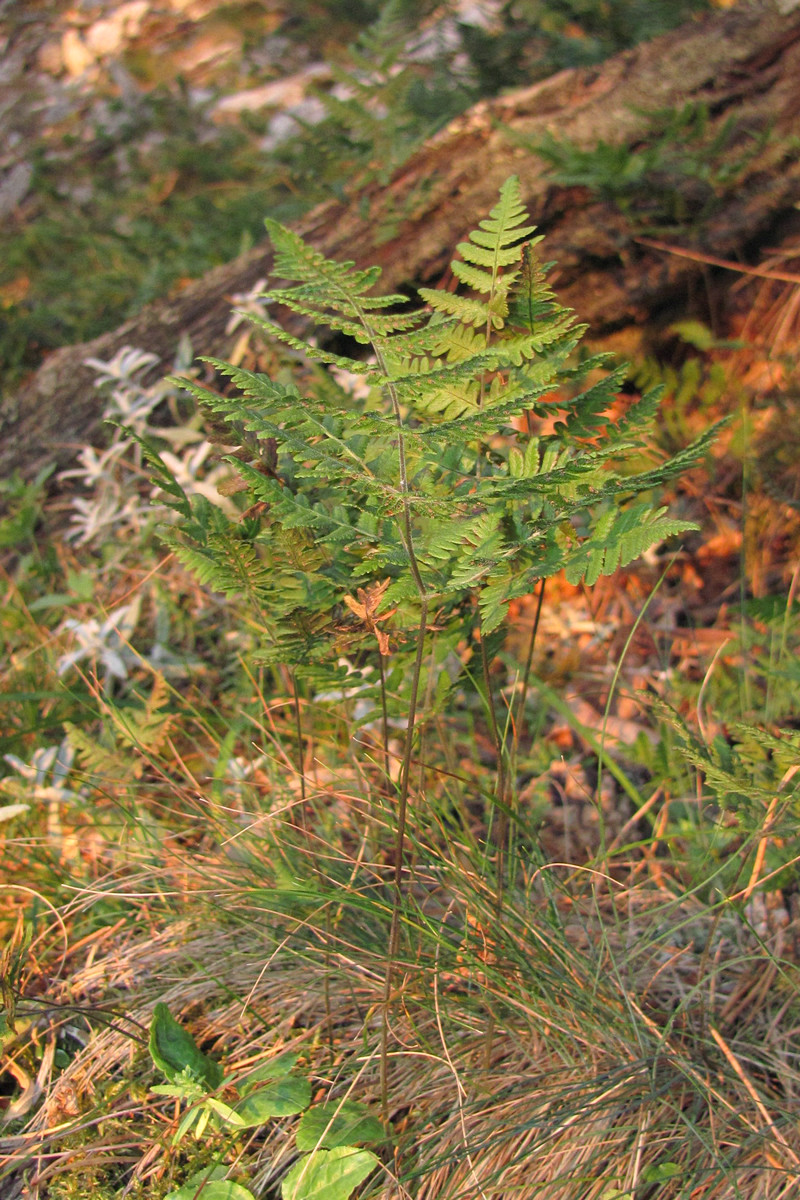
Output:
[[331, 1163]]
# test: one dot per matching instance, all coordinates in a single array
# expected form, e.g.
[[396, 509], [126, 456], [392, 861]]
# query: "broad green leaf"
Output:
[[173, 1049], [225, 1112], [276, 1068], [660, 1172], [191, 1189], [218, 1189], [337, 1124], [281, 1099], [226, 1190], [328, 1174]]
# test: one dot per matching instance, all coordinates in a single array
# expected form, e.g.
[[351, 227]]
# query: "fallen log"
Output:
[[741, 65]]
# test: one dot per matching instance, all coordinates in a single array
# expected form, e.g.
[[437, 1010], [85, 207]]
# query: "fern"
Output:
[[132, 734], [370, 492], [436, 490]]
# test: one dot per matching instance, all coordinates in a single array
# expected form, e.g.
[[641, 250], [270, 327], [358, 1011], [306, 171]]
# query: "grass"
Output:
[[642, 1035]]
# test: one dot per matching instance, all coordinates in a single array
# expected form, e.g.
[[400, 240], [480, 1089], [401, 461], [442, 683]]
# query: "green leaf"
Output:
[[336, 1123], [178, 1090], [328, 1174], [191, 1189], [191, 1117], [276, 1068], [226, 1190], [173, 1049], [217, 1189], [660, 1172], [225, 1112], [281, 1099], [695, 333]]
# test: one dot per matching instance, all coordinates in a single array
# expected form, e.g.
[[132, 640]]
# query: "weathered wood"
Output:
[[743, 62]]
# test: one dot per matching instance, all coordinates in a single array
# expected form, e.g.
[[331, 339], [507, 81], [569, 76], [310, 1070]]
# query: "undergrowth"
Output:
[[296, 849], [677, 175]]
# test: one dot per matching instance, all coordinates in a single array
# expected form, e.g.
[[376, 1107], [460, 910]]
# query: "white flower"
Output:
[[129, 403], [104, 513], [43, 782], [132, 405], [125, 363], [104, 643], [44, 776], [253, 304], [96, 467]]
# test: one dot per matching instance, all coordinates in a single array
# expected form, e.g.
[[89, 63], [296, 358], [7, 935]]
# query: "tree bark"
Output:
[[743, 63]]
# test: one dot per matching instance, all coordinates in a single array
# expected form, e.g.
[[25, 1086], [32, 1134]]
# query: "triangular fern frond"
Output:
[[436, 475], [495, 243]]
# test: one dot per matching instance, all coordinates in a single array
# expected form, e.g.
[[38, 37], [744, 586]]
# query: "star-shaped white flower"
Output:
[[104, 643]]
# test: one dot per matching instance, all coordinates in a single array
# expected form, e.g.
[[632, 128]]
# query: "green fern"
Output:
[[414, 479], [434, 495]]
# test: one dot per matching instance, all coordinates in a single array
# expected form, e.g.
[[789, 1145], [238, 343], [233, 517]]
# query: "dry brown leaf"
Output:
[[366, 609]]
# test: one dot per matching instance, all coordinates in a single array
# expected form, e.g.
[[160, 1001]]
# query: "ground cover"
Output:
[[622, 1024]]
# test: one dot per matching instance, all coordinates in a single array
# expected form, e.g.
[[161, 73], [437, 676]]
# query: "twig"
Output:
[[712, 261]]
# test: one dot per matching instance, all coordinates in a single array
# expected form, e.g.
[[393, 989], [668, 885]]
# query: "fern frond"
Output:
[[474, 424], [296, 260], [589, 413], [364, 328], [641, 414], [428, 480], [461, 534], [474, 277], [278, 333], [619, 538], [306, 293], [107, 763], [163, 478], [240, 574], [145, 728], [495, 244], [249, 383], [688, 457]]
